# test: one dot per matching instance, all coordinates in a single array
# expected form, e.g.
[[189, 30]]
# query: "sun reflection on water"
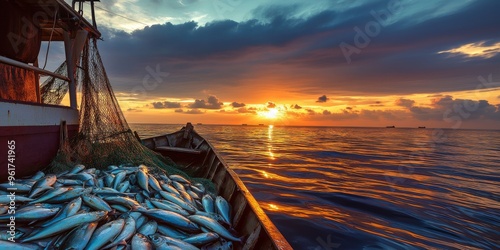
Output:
[[270, 141]]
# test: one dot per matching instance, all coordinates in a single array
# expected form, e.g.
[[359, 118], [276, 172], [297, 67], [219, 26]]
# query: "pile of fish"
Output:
[[123, 207]]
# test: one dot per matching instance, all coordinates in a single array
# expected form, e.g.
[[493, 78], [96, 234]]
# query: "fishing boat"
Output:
[[390, 126], [32, 127], [196, 156], [34, 130]]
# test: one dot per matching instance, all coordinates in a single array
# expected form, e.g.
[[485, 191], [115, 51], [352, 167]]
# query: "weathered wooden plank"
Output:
[[252, 240], [178, 150], [239, 205]]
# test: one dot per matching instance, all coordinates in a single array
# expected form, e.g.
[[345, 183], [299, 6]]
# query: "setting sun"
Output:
[[271, 113]]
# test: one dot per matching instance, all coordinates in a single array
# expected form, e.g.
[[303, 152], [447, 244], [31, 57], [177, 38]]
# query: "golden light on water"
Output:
[[270, 142], [264, 173], [273, 207]]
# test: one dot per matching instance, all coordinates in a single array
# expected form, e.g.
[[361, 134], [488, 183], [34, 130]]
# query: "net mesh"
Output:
[[104, 136], [54, 89]]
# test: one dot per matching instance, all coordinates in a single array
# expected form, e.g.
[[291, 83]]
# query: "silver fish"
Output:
[[118, 179], [80, 236], [69, 210], [18, 246], [214, 226], [70, 195], [6, 199], [208, 203], [171, 232], [223, 209], [76, 169], [202, 239], [141, 242], [124, 201], [19, 187], [127, 232], [161, 242], [39, 213], [65, 224], [142, 179], [179, 178], [123, 186], [104, 234], [186, 206], [96, 202], [51, 193], [153, 183], [169, 188], [171, 218], [42, 185], [149, 228], [169, 207]]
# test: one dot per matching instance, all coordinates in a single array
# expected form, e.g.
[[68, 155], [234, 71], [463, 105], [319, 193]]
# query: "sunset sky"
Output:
[[406, 63]]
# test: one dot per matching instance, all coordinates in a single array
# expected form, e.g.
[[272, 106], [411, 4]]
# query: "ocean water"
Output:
[[367, 188]]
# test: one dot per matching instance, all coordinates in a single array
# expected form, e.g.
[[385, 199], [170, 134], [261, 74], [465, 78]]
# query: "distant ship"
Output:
[[390, 126], [244, 124], [199, 123], [421, 127], [260, 124]]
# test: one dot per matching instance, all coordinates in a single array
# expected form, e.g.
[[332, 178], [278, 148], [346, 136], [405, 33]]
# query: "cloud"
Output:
[[133, 110], [245, 110], [404, 102], [477, 49], [448, 109], [310, 112], [211, 103], [323, 98], [302, 52], [237, 105], [295, 106], [326, 112], [166, 105], [271, 105], [194, 112]]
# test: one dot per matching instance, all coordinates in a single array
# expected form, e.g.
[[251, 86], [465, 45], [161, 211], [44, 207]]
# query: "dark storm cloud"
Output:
[[211, 103], [237, 105], [403, 55], [166, 105], [322, 98]]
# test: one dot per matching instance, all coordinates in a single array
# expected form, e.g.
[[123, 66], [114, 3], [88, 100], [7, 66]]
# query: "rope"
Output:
[[50, 39]]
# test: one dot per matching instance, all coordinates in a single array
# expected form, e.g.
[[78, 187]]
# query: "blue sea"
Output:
[[367, 188]]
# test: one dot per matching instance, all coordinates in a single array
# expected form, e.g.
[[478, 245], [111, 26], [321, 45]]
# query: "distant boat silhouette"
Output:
[[260, 124], [390, 126], [199, 123], [244, 124], [421, 127]]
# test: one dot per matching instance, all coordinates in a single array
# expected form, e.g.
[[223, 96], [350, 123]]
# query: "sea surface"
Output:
[[367, 188]]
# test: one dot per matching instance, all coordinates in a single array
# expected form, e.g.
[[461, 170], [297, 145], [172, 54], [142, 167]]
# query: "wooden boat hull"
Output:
[[35, 131], [200, 159]]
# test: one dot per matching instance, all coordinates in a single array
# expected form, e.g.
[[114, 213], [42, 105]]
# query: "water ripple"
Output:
[[366, 188]]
